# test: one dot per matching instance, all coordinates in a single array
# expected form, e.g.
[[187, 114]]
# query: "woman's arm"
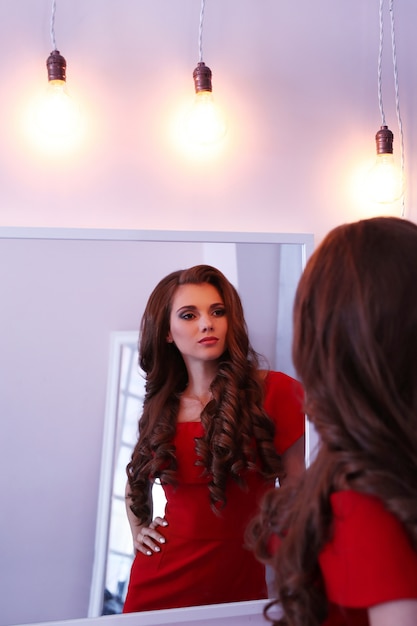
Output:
[[401, 612], [293, 460], [146, 538]]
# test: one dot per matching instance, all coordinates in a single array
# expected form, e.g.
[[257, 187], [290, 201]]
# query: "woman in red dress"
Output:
[[217, 433], [344, 540]]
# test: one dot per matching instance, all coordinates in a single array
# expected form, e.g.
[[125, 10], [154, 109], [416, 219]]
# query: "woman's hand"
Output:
[[148, 540]]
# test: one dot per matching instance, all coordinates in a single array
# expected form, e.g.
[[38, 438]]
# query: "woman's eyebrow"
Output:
[[188, 307]]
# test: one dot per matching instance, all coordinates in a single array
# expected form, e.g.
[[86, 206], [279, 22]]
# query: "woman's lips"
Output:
[[208, 341]]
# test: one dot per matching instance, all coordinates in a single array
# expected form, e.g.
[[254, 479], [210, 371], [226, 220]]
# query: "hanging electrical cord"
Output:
[[386, 184], [55, 63], [52, 29], [58, 115], [202, 74], [205, 123], [381, 48], [200, 31], [397, 105]]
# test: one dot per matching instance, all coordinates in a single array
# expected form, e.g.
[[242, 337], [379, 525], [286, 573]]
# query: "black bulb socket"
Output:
[[384, 140], [202, 78], [56, 66]]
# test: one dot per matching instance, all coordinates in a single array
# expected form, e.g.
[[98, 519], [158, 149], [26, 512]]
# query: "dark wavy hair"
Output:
[[238, 434], [355, 350]]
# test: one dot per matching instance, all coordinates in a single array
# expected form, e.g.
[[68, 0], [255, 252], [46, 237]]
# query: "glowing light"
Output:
[[205, 123], [57, 114], [384, 181]]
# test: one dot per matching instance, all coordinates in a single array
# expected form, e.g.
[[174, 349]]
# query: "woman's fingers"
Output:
[[149, 540], [158, 521]]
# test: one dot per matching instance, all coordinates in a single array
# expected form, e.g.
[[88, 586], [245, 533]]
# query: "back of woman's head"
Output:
[[354, 349], [355, 333]]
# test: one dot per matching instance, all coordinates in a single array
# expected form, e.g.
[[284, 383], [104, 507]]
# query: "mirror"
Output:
[[64, 292]]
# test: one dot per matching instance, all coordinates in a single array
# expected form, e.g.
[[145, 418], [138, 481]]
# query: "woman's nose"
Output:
[[206, 323]]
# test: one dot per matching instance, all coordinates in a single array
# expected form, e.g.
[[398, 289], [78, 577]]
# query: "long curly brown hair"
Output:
[[354, 348], [238, 434]]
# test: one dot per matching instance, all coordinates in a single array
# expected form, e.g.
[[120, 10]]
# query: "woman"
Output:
[[217, 433], [345, 540]]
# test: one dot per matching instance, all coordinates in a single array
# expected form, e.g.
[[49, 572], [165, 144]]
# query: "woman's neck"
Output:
[[195, 397], [200, 379]]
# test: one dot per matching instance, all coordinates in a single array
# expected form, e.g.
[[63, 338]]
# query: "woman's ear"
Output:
[[169, 338]]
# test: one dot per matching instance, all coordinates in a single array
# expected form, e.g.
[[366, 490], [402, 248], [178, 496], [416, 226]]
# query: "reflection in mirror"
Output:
[[64, 292], [114, 554], [268, 308]]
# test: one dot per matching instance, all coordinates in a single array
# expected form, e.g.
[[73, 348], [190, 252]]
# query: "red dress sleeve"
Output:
[[283, 402], [370, 558]]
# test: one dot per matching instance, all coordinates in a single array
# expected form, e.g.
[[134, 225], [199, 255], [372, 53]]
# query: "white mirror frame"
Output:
[[77, 236], [229, 614]]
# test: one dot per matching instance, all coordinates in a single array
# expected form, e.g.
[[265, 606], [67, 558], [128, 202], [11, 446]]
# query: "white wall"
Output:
[[298, 80]]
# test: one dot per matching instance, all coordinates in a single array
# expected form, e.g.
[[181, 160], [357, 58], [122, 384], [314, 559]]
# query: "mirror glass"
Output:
[[65, 294]]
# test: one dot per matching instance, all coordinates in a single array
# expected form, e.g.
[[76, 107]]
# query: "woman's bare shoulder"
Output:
[[262, 374]]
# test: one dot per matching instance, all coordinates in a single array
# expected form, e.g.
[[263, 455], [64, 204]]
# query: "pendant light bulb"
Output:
[[58, 114], [205, 122], [384, 179]]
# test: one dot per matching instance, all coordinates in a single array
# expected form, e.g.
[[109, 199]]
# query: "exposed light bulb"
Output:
[[205, 123], [58, 114], [384, 181]]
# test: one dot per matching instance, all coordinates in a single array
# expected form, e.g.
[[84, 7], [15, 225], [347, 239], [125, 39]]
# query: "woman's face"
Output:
[[198, 322]]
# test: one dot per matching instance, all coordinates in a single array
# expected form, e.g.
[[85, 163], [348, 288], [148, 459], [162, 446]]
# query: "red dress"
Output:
[[370, 559], [204, 560]]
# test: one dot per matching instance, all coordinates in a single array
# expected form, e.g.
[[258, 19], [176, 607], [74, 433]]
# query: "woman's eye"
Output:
[[187, 316], [219, 312]]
